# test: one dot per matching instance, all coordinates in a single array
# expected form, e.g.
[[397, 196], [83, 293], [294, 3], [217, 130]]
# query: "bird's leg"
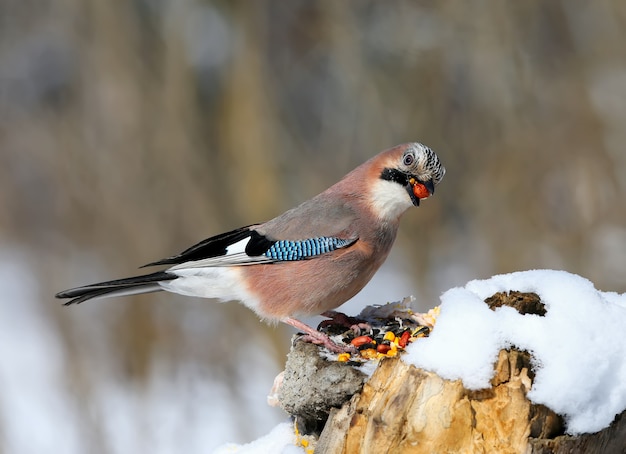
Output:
[[339, 318], [315, 337]]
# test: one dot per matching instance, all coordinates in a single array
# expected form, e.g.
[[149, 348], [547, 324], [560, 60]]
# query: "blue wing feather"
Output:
[[287, 250]]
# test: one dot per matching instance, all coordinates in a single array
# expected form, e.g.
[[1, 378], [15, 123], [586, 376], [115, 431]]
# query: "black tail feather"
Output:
[[128, 286]]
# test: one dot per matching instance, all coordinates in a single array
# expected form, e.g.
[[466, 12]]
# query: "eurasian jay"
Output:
[[307, 261]]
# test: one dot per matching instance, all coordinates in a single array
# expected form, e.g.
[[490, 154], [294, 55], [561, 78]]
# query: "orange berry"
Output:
[[420, 191]]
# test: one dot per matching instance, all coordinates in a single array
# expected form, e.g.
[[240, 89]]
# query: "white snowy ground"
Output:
[[281, 440], [579, 348]]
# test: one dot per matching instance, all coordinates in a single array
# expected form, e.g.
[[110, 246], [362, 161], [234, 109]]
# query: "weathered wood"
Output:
[[405, 409]]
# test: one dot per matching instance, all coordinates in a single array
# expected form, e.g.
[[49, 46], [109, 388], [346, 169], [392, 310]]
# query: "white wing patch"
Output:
[[238, 247]]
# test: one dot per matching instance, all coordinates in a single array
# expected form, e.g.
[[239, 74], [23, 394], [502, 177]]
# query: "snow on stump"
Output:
[[406, 409]]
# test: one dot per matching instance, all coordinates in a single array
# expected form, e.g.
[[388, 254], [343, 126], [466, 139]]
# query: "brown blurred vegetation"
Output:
[[130, 130]]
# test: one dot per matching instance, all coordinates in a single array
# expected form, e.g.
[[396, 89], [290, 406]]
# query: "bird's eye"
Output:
[[408, 159]]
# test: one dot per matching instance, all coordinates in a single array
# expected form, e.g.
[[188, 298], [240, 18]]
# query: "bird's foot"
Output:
[[327, 342], [357, 325], [317, 338]]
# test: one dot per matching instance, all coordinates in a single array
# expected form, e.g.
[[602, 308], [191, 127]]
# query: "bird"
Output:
[[306, 261]]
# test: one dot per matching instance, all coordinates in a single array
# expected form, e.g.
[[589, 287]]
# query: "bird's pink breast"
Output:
[[310, 287]]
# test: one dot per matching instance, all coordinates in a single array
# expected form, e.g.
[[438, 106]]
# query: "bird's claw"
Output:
[[325, 341]]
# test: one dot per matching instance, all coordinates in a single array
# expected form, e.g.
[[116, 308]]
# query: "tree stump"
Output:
[[402, 409]]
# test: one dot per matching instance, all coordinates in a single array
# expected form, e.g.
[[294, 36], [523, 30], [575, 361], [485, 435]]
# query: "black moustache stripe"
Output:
[[395, 175]]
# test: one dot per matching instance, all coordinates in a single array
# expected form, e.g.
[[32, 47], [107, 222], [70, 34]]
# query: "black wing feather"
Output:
[[211, 247], [258, 244]]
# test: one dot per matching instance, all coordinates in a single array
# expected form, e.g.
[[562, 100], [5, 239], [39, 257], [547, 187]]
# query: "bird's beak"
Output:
[[430, 185], [410, 189]]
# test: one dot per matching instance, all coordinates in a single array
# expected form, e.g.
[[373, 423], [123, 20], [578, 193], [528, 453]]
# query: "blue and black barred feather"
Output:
[[286, 250]]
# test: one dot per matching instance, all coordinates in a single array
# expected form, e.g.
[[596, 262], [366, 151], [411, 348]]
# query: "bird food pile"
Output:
[[381, 343], [379, 331]]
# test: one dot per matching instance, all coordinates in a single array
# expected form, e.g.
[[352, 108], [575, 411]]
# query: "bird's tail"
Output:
[[129, 286]]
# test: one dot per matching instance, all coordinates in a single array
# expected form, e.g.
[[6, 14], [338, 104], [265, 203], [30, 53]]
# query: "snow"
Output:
[[281, 440], [33, 415], [578, 347]]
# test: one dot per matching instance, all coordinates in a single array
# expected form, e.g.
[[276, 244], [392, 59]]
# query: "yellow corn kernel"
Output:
[[343, 357], [369, 353], [392, 353], [389, 336]]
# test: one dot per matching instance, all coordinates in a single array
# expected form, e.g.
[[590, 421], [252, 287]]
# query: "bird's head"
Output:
[[404, 175]]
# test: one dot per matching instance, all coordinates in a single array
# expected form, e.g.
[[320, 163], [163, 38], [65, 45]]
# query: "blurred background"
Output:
[[131, 130]]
